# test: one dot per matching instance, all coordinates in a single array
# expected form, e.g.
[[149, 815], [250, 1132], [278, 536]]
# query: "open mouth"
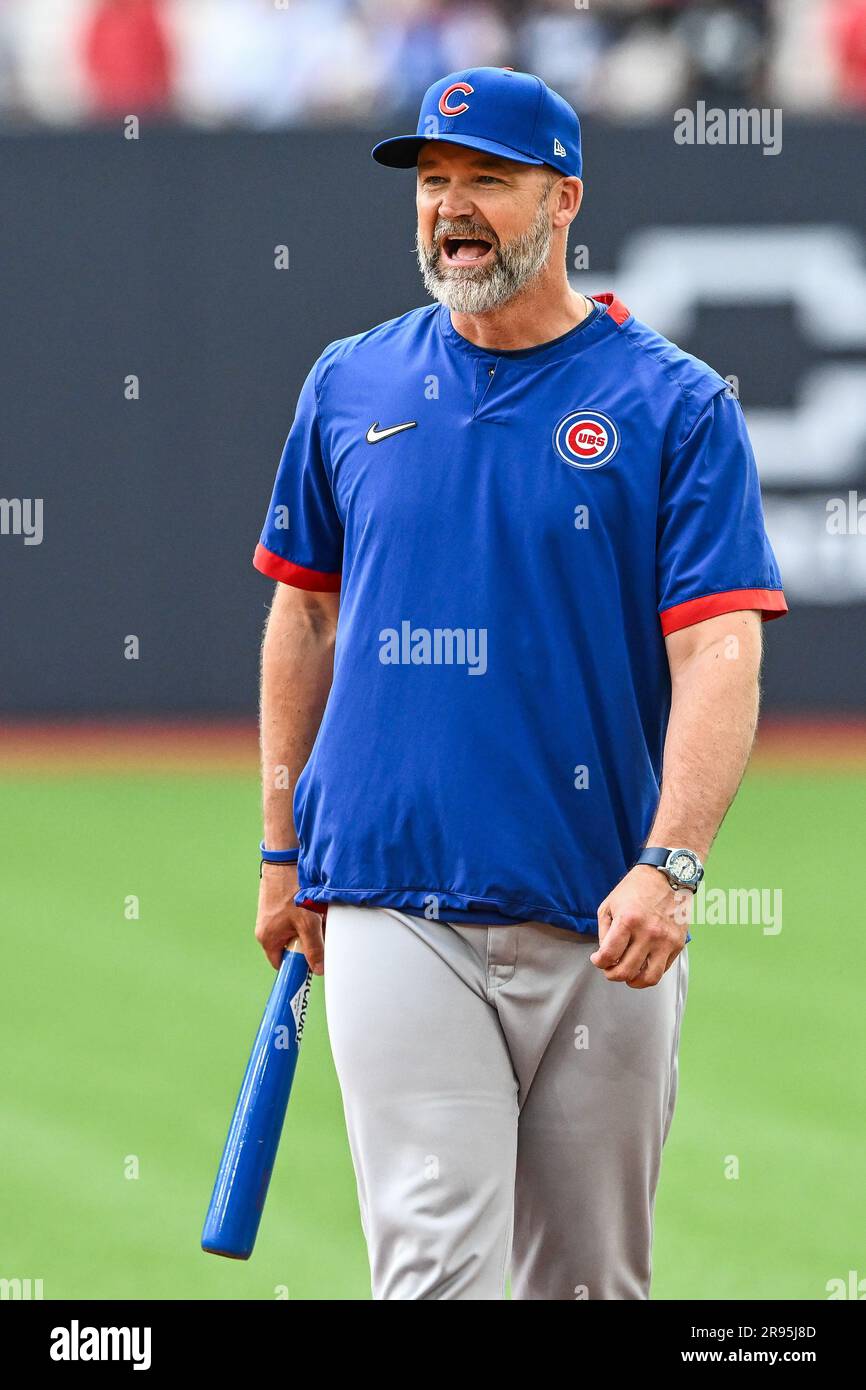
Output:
[[459, 250]]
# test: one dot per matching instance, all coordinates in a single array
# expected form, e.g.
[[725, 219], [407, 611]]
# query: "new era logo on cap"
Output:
[[497, 110]]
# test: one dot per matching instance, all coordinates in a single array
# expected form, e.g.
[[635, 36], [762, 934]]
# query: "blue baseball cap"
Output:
[[507, 113]]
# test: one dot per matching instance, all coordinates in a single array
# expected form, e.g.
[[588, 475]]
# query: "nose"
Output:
[[456, 202]]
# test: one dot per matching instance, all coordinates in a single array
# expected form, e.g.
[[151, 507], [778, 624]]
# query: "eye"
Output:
[[489, 178], [431, 178]]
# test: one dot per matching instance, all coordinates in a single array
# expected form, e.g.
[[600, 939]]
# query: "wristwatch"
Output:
[[681, 867]]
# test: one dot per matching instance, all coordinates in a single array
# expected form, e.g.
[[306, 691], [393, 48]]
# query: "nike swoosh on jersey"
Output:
[[374, 434]]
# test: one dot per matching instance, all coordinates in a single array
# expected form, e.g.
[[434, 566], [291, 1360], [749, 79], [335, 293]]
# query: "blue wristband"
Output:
[[278, 856]]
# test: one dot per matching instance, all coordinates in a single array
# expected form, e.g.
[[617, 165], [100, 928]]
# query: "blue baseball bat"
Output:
[[244, 1173]]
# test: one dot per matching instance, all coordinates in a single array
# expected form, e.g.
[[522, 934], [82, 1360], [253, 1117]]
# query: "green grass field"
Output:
[[124, 1041]]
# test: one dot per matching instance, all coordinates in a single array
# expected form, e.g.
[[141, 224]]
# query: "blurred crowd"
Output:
[[270, 63]]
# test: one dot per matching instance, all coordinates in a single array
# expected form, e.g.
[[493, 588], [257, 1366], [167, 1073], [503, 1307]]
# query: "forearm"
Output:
[[714, 712], [296, 673]]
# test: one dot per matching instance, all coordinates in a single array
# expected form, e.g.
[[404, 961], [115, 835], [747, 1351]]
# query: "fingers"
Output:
[[632, 952], [657, 965], [614, 936], [274, 942], [632, 960], [644, 963], [274, 937], [276, 933], [274, 955], [641, 930], [312, 940], [652, 970]]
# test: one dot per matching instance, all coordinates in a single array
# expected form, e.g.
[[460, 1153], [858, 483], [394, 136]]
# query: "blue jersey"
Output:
[[512, 535]]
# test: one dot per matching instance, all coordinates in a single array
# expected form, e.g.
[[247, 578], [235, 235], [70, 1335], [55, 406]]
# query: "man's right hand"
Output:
[[280, 921]]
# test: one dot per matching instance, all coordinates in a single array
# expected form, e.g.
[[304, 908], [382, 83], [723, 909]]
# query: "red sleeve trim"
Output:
[[296, 575], [770, 602], [616, 309]]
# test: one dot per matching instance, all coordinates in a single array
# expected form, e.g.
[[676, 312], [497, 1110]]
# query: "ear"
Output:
[[567, 197]]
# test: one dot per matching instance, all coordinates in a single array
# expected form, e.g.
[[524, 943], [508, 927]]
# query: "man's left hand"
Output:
[[642, 927]]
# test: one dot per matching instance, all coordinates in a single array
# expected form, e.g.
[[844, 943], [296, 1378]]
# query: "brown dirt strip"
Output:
[[795, 744], [128, 746], [87, 746]]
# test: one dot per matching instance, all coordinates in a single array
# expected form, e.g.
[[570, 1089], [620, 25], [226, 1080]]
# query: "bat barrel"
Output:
[[244, 1173]]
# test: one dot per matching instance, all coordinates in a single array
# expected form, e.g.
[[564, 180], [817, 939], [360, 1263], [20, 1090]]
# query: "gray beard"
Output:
[[471, 290]]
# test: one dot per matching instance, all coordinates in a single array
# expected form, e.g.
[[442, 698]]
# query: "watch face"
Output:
[[683, 865]]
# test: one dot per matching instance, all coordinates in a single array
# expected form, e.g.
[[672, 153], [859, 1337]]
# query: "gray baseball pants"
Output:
[[506, 1105]]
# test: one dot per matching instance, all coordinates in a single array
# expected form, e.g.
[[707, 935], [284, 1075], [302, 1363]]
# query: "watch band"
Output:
[[657, 857], [661, 859]]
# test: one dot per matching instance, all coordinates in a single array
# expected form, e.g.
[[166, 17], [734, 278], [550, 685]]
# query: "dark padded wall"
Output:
[[156, 258]]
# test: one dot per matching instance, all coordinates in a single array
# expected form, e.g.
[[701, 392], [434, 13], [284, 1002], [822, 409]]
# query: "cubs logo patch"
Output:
[[455, 108], [586, 439]]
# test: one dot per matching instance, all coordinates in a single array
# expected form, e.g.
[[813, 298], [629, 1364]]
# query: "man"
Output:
[[540, 524]]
